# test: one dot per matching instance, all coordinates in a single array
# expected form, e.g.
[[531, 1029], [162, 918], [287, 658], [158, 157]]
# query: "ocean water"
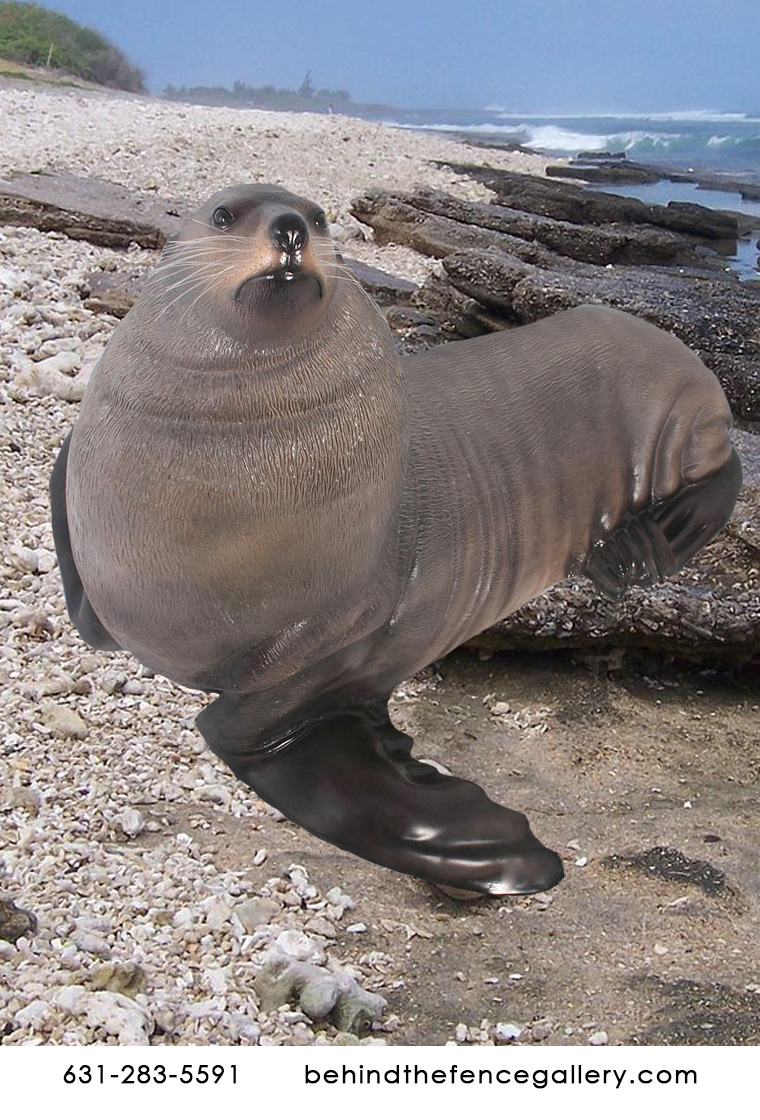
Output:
[[700, 139]]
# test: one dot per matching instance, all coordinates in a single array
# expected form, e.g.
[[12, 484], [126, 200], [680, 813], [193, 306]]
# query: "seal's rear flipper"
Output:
[[80, 610], [660, 539], [350, 779]]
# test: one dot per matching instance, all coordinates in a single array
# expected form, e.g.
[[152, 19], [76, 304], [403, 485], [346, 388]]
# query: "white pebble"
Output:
[[131, 822], [296, 944]]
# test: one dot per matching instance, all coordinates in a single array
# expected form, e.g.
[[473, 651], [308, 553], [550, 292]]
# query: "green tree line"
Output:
[[35, 36], [265, 97]]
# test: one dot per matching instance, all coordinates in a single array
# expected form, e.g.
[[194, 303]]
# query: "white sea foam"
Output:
[[551, 137], [694, 115]]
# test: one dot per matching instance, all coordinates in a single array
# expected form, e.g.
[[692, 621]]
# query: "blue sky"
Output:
[[525, 55]]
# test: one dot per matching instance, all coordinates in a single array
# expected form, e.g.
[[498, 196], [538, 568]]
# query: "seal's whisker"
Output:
[[207, 289], [193, 275], [205, 282], [184, 292]]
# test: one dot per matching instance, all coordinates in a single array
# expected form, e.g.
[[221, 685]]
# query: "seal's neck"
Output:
[[195, 372]]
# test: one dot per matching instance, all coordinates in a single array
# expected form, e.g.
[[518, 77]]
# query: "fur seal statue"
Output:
[[260, 499]]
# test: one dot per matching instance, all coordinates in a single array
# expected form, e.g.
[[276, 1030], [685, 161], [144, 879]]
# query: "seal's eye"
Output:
[[222, 217], [320, 221]]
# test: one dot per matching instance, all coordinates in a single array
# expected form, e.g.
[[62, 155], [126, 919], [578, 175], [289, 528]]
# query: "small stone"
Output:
[[297, 945], [34, 1015], [43, 380], [260, 857], [116, 1014], [46, 560], [27, 798], [215, 981], [581, 862], [89, 942], [63, 722], [245, 1028], [66, 362], [20, 558], [661, 950], [507, 1032], [113, 681], [321, 926], [542, 900], [500, 708], [255, 912], [58, 685], [339, 902], [131, 822], [462, 1032], [7, 950], [134, 688], [436, 765], [357, 927], [598, 1038], [15, 922], [127, 979], [218, 913], [318, 996], [36, 623]]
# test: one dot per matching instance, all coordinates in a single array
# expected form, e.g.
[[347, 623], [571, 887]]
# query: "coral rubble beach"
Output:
[[146, 896]]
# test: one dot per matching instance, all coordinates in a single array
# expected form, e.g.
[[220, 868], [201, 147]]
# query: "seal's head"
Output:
[[254, 259]]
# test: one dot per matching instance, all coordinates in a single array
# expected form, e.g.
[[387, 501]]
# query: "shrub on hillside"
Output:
[[35, 36]]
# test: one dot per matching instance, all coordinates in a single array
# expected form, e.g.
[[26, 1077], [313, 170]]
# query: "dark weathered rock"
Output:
[[436, 224], [395, 219], [15, 922], [567, 202], [112, 292], [87, 209], [604, 172], [385, 289]]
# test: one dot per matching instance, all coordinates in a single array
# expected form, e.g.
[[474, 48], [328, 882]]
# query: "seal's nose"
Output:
[[289, 232]]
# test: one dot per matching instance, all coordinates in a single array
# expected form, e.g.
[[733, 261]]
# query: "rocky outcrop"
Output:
[[503, 267], [604, 171], [87, 209], [574, 204], [436, 224]]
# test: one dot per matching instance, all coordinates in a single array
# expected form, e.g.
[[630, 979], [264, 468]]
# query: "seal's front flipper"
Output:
[[80, 610], [660, 539], [351, 779]]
